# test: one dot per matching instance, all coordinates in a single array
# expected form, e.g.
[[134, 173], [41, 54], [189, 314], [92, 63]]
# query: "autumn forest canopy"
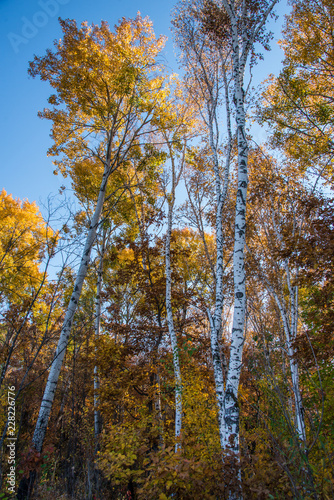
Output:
[[169, 334]]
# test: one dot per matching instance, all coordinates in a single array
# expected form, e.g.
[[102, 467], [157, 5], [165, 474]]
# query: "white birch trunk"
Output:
[[170, 323], [241, 46], [216, 320], [290, 332], [239, 278], [231, 407], [50, 389], [299, 409], [221, 193], [228, 399]]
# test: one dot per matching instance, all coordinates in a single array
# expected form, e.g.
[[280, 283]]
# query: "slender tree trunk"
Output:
[[176, 175], [290, 335], [221, 194], [241, 42], [216, 320], [231, 407], [300, 420], [97, 417], [26, 485], [50, 389], [97, 414], [290, 311], [290, 331], [299, 409], [157, 405], [170, 323]]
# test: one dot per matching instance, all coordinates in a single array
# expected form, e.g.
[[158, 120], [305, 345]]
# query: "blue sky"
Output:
[[29, 27]]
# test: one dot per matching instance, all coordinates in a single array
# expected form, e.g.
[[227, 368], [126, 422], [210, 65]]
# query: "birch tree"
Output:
[[279, 224], [232, 29], [108, 93], [246, 26], [206, 77], [176, 148], [170, 322]]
